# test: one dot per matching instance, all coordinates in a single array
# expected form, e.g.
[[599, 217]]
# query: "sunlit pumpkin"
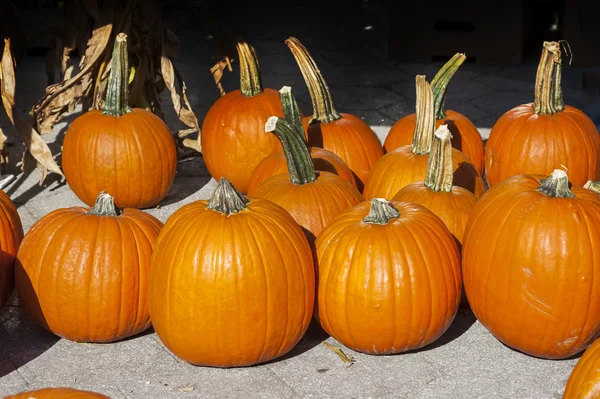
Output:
[[11, 234], [57, 393], [584, 381]]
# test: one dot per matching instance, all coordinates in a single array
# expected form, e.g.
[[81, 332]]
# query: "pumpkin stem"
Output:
[[226, 199], [425, 125], [104, 206], [439, 84], [593, 186], [323, 110], [291, 111], [548, 93], [440, 169], [381, 212], [556, 185], [117, 91], [250, 79]]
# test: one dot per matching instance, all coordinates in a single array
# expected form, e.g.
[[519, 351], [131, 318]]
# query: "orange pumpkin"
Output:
[[233, 132], [82, 273], [231, 281], [57, 393], [450, 203], [345, 135], [529, 261], [538, 137], [389, 277], [11, 234], [129, 153], [312, 198], [408, 164], [584, 381], [465, 136]]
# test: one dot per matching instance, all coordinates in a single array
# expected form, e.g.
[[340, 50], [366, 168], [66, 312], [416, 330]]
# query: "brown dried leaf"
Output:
[[217, 72], [346, 358], [33, 141], [3, 150]]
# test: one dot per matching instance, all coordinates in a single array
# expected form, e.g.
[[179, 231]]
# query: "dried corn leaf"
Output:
[[33, 141], [3, 150], [346, 358], [217, 72]]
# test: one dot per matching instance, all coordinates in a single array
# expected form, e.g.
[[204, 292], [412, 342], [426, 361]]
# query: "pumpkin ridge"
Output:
[[585, 138], [157, 146]]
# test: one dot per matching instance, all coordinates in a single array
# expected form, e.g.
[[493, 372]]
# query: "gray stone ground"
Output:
[[467, 362]]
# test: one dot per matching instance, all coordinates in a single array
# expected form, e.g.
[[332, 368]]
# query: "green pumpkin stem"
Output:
[[291, 111], [593, 186], [250, 79], [439, 84], [104, 206], [117, 91], [226, 199], [425, 125], [381, 212], [548, 93], [323, 110], [556, 185], [440, 169]]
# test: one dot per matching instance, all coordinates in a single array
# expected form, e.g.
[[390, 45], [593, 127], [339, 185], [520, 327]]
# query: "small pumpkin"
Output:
[[82, 273], [57, 393], [312, 197], [465, 136], [232, 281], [584, 381], [408, 164], [129, 153], [11, 234], [450, 203], [233, 135], [529, 260], [344, 134], [538, 137], [389, 277]]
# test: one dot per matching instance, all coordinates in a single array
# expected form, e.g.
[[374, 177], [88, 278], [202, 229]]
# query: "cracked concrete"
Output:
[[466, 362]]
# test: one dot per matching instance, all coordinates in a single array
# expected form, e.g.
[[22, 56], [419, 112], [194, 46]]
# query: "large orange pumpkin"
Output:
[[11, 234], [389, 277], [233, 132], [82, 273], [57, 393], [231, 282], [529, 261], [129, 153], [584, 381], [465, 136], [538, 137], [345, 135], [408, 164]]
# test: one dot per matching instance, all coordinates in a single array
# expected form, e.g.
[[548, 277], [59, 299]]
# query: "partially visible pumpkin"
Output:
[[82, 273], [538, 137], [231, 282], [129, 153], [584, 381], [390, 277], [465, 136], [11, 234], [345, 135], [530, 257], [57, 393], [408, 164]]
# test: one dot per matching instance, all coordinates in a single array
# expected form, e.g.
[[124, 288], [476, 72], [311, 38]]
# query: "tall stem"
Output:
[[323, 110], [425, 125], [104, 206], [548, 93], [226, 199], [291, 111], [440, 169], [250, 79], [381, 212], [117, 91], [439, 84], [556, 185]]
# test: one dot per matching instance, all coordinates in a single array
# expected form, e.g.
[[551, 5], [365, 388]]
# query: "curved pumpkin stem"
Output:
[[425, 125], [440, 169], [556, 185], [323, 110], [593, 186], [117, 90], [548, 93], [381, 212], [226, 199], [291, 111], [250, 79], [439, 84], [104, 206]]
